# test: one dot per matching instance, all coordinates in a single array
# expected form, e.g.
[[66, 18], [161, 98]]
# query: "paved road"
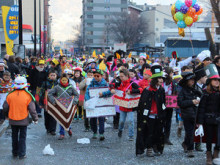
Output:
[[112, 151]]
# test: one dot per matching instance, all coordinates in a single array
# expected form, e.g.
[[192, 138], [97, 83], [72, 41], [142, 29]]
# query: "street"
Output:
[[112, 151]]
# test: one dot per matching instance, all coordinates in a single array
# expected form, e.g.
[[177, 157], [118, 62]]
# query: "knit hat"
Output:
[[204, 55], [200, 73], [143, 55], [185, 77], [20, 83], [2, 62], [211, 71], [147, 71], [156, 70]]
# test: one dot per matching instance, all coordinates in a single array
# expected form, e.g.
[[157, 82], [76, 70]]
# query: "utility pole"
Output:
[[40, 26], [35, 29], [20, 23]]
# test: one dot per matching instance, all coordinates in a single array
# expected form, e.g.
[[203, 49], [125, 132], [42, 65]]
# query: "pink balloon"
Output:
[[188, 3]]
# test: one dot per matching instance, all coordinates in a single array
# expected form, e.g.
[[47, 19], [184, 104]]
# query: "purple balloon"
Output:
[[196, 7], [184, 9], [177, 10]]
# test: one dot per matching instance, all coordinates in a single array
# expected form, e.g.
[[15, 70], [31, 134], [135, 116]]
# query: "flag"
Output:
[[130, 54], [118, 56], [103, 54], [94, 54], [61, 52]]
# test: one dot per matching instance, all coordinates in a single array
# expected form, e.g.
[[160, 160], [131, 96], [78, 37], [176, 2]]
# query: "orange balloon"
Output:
[[195, 18], [200, 11], [191, 12]]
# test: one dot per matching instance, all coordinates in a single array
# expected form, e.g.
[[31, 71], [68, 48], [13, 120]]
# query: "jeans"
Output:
[[123, 116], [62, 131], [189, 126], [93, 124], [19, 134]]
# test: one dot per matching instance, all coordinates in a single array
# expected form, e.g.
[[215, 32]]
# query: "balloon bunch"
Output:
[[185, 14]]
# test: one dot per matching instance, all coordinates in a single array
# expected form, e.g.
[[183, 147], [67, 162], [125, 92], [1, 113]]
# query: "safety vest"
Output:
[[18, 102]]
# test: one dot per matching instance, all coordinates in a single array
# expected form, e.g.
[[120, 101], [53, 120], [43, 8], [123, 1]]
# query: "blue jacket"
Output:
[[96, 84]]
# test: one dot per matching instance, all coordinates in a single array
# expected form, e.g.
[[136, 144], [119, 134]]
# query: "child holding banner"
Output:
[[97, 81]]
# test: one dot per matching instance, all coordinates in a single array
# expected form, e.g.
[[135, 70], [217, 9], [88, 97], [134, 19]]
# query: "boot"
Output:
[[150, 152], [208, 158], [179, 132], [190, 154], [215, 154], [198, 147]]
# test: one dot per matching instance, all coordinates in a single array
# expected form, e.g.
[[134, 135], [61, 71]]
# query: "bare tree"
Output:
[[127, 28], [216, 9]]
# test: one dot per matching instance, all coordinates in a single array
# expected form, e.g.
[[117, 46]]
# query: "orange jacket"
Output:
[[18, 102]]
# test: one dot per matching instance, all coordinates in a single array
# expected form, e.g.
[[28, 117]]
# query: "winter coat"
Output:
[[146, 101], [13, 69], [15, 108], [185, 102], [59, 91], [124, 86], [36, 78], [209, 108], [96, 84]]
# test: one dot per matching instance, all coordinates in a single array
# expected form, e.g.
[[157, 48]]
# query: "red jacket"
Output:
[[134, 88], [154, 104], [144, 83]]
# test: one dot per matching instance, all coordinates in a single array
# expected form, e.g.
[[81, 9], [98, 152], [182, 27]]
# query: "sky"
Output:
[[66, 15]]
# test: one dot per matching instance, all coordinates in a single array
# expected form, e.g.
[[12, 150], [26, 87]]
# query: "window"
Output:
[[89, 16], [89, 33], [90, 24], [89, 8], [107, 8], [90, 41]]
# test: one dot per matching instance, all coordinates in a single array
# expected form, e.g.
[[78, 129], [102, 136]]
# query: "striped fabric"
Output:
[[62, 114]]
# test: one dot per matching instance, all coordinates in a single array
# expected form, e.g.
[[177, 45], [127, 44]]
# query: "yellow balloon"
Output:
[[188, 20], [173, 9]]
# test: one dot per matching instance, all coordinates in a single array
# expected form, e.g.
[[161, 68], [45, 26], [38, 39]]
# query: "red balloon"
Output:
[[190, 25], [200, 11], [195, 18], [191, 12]]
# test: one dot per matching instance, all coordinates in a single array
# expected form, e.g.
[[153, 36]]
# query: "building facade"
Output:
[[95, 33]]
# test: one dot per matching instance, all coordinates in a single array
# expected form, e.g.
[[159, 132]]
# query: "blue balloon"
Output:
[[194, 2], [181, 24], [179, 4], [184, 9]]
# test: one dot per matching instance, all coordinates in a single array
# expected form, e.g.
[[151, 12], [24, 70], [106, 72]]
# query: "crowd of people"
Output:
[[194, 82]]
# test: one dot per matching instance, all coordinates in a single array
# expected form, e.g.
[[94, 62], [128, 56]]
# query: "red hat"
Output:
[[147, 71], [78, 69]]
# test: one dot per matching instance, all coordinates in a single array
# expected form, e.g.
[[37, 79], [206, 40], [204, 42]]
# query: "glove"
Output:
[[199, 131]]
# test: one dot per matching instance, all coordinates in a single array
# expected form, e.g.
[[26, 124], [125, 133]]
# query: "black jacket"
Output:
[[13, 69], [146, 101], [185, 102], [209, 108], [37, 78]]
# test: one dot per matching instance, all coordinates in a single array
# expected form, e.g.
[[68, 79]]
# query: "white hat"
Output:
[[203, 55], [2, 62], [20, 83]]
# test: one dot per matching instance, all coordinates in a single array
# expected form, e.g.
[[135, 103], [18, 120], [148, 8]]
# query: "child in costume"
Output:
[[146, 79], [63, 90], [188, 101], [151, 116], [5, 87], [209, 112], [133, 76], [19, 103], [78, 78], [49, 122]]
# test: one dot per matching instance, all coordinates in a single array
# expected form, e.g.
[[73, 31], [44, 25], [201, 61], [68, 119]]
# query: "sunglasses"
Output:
[[97, 76]]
